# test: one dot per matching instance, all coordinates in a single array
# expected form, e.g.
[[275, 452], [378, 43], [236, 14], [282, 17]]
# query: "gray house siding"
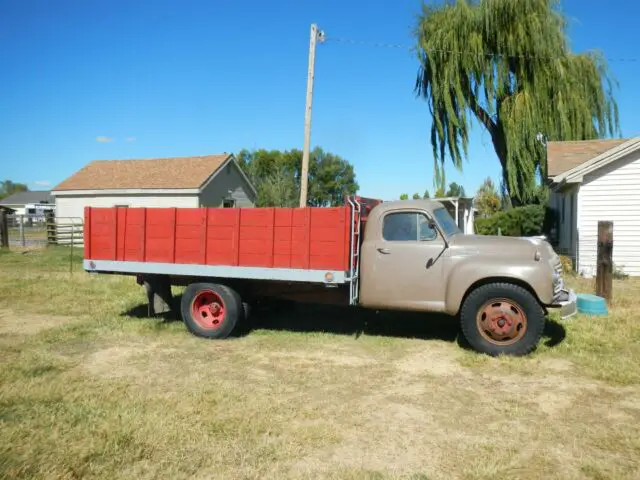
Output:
[[228, 183]]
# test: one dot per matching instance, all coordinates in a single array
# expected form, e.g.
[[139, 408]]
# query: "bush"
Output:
[[524, 221], [567, 265], [619, 273]]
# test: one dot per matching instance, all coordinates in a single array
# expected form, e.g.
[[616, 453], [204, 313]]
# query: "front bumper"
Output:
[[566, 301]]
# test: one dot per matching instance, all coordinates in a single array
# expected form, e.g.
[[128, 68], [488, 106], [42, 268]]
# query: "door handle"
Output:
[[384, 251]]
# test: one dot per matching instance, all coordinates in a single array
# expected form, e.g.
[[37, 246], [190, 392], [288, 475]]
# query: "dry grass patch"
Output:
[[96, 392]]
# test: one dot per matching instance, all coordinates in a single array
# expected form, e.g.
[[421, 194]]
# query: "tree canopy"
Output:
[[8, 187], [404, 196], [487, 200], [455, 190], [508, 64], [276, 176]]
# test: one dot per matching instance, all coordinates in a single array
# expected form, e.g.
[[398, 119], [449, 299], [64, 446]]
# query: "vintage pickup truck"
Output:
[[406, 255]]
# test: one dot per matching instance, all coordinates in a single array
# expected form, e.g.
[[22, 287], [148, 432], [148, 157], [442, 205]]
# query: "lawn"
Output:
[[89, 389]]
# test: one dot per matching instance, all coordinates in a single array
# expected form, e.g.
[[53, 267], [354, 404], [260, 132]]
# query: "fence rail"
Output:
[[65, 231], [28, 231]]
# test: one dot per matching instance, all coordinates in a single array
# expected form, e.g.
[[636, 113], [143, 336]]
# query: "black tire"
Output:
[[231, 302], [471, 319]]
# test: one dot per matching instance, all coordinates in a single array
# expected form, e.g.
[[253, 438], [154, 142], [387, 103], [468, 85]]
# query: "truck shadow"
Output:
[[309, 318]]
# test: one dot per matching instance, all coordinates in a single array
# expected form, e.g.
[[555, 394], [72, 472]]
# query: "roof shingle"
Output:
[[28, 197], [563, 156], [160, 173]]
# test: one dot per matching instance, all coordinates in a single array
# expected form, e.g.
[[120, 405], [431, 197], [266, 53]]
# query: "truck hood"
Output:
[[498, 245]]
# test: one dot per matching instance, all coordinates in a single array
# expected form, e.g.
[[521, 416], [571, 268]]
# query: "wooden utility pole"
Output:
[[304, 175], [604, 273]]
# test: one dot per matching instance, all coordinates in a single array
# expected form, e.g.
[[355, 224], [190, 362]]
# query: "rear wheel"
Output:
[[211, 310], [502, 319]]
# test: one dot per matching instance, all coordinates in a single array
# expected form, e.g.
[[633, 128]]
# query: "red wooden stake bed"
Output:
[[317, 245]]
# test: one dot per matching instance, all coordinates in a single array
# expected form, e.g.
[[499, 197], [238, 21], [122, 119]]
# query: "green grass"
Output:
[[89, 390]]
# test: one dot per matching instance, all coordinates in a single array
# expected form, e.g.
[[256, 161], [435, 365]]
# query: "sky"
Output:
[[114, 79]]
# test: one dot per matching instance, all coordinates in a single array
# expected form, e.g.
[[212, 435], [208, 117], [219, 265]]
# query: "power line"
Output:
[[401, 46]]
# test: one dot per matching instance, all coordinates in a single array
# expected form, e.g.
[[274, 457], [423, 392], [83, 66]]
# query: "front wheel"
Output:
[[502, 319]]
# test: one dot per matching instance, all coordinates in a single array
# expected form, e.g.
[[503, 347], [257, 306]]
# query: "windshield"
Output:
[[445, 221]]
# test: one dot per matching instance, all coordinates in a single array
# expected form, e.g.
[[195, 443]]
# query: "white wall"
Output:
[[73, 206], [611, 193]]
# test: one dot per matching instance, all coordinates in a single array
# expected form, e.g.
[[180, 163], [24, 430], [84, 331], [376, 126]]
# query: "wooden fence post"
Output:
[[4, 229], [604, 274]]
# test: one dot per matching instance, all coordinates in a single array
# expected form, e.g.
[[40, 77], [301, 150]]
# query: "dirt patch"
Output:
[[436, 361], [322, 356], [29, 324], [125, 360], [430, 411]]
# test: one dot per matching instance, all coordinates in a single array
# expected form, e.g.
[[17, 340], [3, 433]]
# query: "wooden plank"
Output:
[[204, 225]]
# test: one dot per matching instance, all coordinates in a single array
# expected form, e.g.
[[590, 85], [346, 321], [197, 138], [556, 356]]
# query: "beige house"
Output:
[[206, 181], [591, 181]]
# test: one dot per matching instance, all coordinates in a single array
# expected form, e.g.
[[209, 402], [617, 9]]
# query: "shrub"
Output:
[[619, 273], [524, 221], [567, 265]]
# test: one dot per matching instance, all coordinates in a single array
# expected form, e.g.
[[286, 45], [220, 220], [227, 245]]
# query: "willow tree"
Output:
[[508, 65]]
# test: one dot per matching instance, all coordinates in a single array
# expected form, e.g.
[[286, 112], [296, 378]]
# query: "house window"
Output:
[[228, 203], [407, 227], [121, 206]]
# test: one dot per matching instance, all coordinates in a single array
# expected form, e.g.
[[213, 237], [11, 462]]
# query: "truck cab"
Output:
[[414, 257]]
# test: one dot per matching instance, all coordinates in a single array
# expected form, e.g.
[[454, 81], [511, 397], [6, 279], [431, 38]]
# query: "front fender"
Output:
[[537, 275]]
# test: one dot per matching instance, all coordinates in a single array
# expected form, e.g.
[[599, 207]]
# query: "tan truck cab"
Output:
[[414, 257]]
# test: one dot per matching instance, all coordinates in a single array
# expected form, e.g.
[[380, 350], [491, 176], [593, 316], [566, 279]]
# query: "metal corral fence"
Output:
[[65, 231], [33, 231]]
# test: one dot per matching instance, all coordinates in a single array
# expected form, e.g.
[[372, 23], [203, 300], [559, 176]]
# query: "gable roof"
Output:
[[24, 198], [156, 173], [563, 156], [576, 173]]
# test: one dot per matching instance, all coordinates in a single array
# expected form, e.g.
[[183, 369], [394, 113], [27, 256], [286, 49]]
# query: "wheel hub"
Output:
[[214, 308], [501, 324], [208, 309], [501, 321]]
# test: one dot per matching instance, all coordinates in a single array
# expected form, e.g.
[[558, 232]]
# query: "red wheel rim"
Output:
[[208, 310], [501, 321]]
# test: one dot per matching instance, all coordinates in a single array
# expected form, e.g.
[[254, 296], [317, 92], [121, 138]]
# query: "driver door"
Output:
[[402, 264]]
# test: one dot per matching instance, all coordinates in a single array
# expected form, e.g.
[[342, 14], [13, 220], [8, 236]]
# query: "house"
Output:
[[35, 203], [461, 210], [206, 181], [591, 181]]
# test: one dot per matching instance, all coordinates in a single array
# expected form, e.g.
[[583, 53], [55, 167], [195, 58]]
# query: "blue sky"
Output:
[[168, 78]]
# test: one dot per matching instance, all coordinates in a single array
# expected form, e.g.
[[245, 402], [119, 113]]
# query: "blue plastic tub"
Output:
[[591, 304]]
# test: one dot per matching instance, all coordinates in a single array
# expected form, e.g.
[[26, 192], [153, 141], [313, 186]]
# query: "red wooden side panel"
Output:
[[103, 227], [223, 226], [300, 238], [121, 232], [160, 235], [256, 237], [283, 221], [134, 240], [189, 226], [326, 250]]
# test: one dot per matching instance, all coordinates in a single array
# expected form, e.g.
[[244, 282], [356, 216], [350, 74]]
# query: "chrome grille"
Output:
[[558, 282]]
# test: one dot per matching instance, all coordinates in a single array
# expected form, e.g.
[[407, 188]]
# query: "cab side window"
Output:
[[407, 227]]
